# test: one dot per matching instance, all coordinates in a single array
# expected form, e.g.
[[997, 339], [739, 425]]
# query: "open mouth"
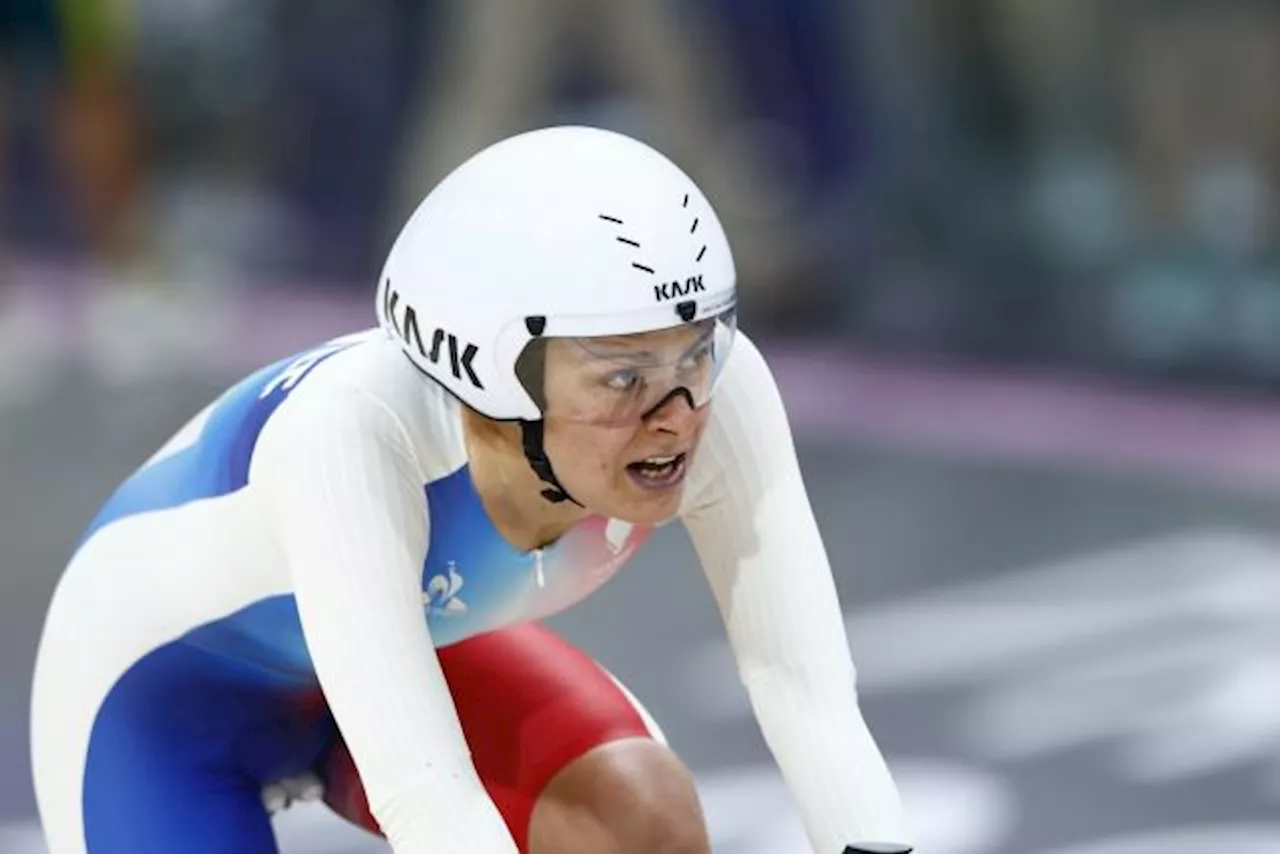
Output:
[[658, 472]]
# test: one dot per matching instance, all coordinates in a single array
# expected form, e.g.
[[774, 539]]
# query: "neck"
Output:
[[509, 489]]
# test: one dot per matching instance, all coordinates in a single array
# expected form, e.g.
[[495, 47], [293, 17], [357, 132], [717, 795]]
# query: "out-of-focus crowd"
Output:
[[1088, 184]]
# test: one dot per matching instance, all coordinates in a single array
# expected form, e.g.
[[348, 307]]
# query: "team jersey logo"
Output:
[[441, 595]]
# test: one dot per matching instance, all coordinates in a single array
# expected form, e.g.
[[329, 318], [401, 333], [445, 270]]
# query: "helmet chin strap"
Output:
[[536, 454]]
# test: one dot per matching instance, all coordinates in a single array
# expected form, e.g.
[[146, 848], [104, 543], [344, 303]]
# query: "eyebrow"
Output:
[[626, 356], [641, 356]]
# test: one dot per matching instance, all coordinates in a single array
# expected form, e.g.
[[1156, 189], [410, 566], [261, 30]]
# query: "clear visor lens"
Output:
[[622, 379]]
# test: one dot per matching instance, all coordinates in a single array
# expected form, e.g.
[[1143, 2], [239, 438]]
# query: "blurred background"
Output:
[[1016, 264]]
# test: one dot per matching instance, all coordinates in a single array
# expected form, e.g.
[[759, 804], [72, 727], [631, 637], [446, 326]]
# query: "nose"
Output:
[[675, 413]]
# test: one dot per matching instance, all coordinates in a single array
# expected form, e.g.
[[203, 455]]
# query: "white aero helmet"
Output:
[[571, 232]]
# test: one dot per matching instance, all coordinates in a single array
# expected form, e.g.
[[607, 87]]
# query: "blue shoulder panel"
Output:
[[218, 462]]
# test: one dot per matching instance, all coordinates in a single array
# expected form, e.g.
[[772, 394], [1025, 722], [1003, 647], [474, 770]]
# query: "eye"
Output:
[[697, 355], [623, 380]]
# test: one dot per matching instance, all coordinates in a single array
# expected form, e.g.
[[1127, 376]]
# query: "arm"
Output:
[[345, 498], [754, 531]]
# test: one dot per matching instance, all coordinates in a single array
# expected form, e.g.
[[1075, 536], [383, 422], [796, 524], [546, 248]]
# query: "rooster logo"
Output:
[[441, 593]]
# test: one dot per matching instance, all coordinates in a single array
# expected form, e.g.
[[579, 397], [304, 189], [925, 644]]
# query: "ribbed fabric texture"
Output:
[[346, 499], [752, 525]]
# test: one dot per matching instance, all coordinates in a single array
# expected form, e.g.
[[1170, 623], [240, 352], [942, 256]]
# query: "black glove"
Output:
[[876, 849]]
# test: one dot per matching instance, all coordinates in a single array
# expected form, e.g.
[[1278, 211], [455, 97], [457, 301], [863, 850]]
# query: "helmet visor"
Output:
[[618, 380]]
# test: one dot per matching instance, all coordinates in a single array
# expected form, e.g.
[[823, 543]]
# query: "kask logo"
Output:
[[403, 318], [672, 290]]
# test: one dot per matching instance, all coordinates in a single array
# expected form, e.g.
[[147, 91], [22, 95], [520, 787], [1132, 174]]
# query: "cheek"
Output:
[[585, 450], [697, 428]]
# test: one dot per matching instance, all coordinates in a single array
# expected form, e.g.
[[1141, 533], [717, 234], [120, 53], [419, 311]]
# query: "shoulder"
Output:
[[747, 377], [366, 390], [748, 429], [747, 405]]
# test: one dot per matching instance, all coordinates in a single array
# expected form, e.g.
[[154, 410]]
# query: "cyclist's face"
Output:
[[621, 424]]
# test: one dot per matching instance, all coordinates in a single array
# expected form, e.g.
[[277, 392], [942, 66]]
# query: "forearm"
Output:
[[832, 765]]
